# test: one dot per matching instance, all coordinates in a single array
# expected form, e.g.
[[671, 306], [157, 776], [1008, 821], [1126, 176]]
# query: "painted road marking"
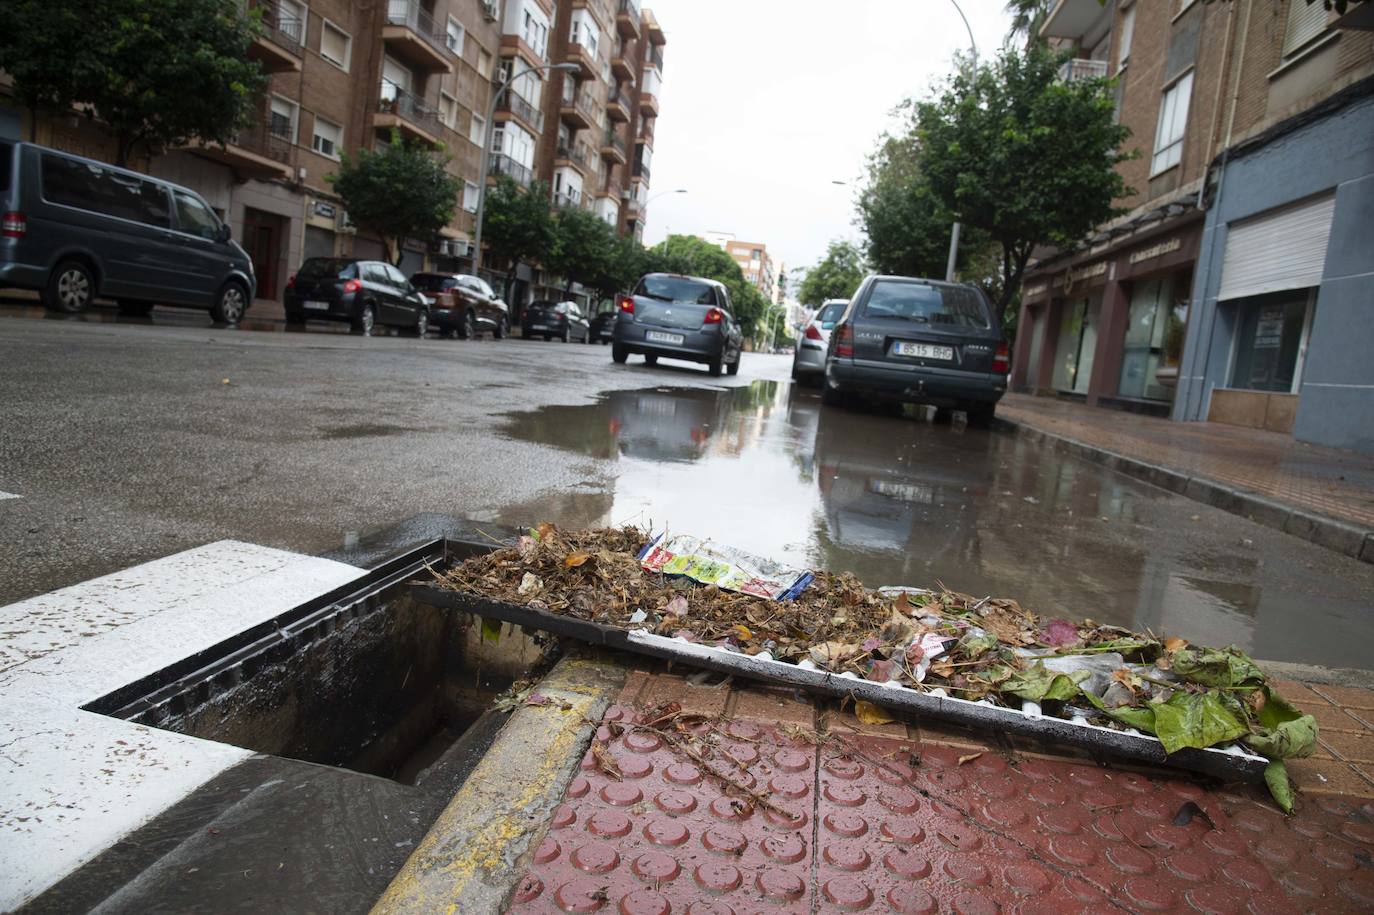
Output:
[[8, 495]]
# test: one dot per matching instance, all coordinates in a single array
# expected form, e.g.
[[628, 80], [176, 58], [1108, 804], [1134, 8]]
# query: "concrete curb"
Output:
[[473, 854], [1339, 536]]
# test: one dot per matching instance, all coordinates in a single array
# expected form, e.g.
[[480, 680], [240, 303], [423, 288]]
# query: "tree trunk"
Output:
[[123, 147]]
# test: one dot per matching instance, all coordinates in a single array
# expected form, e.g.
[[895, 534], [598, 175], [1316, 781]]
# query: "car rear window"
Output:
[[328, 268], [677, 289], [6, 164], [958, 306], [432, 282], [97, 189], [831, 313]]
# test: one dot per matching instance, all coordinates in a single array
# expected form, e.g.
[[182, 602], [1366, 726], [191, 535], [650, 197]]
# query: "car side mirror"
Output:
[[223, 234]]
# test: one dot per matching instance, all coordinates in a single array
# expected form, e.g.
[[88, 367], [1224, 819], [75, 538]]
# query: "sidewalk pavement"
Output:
[[1325, 495]]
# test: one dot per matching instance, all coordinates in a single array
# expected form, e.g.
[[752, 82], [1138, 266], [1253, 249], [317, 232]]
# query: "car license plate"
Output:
[[316, 306], [539, 327], [654, 336], [923, 350]]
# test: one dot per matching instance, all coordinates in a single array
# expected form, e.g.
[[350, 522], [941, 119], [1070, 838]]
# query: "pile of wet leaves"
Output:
[[927, 639]]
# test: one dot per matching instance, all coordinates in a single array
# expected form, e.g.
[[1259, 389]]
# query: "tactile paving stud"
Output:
[[781, 885], [717, 877], [644, 902], [656, 867], [849, 893], [596, 858]]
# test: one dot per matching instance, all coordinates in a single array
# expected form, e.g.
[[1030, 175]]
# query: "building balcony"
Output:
[[254, 153], [402, 111], [569, 199], [502, 164], [574, 156], [514, 105], [411, 35], [648, 104], [623, 66], [613, 148], [652, 28], [578, 113], [1072, 19], [278, 48], [583, 58], [1071, 71], [627, 18], [514, 46], [618, 106], [653, 57], [646, 130]]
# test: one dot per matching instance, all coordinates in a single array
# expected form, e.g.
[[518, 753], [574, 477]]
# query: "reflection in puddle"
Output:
[[897, 500]]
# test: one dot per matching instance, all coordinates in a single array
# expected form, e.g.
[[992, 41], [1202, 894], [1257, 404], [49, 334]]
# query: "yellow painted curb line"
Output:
[[468, 861]]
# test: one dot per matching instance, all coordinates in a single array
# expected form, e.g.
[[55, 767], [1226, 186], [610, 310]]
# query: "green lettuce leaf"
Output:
[[1221, 667], [1187, 720], [1276, 777], [1038, 684], [1282, 731]]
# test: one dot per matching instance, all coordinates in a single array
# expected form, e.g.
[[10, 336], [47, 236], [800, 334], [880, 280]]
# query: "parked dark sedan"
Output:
[[919, 341], [363, 293], [678, 317], [563, 320], [603, 325], [463, 305]]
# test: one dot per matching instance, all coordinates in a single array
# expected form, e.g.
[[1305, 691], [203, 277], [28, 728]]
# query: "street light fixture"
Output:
[[954, 231], [501, 90], [681, 190]]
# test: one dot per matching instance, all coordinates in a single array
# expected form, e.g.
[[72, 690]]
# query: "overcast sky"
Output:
[[765, 102]]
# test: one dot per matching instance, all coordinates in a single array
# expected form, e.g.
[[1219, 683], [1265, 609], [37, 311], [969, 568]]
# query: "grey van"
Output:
[[74, 229]]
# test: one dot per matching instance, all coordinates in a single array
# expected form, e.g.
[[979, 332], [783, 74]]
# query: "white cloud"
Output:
[[766, 102]]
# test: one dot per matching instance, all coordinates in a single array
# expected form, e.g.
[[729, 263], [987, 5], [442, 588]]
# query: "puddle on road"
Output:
[[898, 500], [162, 316]]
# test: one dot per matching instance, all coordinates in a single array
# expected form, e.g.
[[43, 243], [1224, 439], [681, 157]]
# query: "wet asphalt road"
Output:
[[129, 440]]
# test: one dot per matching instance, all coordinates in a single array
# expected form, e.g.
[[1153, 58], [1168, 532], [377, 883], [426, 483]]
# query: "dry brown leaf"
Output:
[[545, 528], [605, 761], [1174, 643], [576, 559], [743, 631], [902, 604], [828, 653], [869, 713], [969, 758]]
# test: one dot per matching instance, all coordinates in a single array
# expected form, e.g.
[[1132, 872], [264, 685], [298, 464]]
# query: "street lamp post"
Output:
[[954, 231], [500, 90]]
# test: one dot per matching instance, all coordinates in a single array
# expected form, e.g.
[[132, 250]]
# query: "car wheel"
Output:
[[618, 353], [71, 288], [733, 368], [606, 342], [230, 305], [980, 414], [715, 367], [502, 330], [422, 324], [832, 397], [469, 328], [365, 321], [133, 308], [295, 319]]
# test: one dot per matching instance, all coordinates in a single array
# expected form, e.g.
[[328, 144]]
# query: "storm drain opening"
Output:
[[369, 680]]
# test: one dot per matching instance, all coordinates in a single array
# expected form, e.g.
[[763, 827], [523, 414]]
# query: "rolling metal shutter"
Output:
[[1284, 249]]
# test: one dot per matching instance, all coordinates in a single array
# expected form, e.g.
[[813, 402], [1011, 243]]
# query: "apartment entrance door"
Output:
[[263, 234]]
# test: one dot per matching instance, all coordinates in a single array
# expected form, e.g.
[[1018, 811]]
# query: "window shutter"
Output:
[[1282, 250], [1127, 33], [1305, 22]]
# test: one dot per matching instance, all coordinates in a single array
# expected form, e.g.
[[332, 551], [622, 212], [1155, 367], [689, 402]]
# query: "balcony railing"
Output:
[[576, 154], [501, 164], [584, 103], [641, 171], [567, 199], [413, 16], [523, 109], [284, 29], [613, 141], [395, 100], [630, 7], [264, 140], [1080, 68], [653, 57]]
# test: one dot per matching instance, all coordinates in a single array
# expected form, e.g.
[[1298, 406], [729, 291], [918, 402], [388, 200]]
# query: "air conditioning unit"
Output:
[[343, 224], [489, 10]]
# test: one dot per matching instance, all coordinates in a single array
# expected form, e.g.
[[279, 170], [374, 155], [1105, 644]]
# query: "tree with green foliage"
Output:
[[1011, 151], [622, 268], [154, 75], [1027, 16], [517, 224], [399, 192], [583, 244], [834, 276]]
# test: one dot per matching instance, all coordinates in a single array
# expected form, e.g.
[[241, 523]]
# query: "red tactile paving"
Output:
[[885, 825]]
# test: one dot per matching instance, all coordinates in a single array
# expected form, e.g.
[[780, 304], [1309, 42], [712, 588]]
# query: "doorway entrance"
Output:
[[262, 237]]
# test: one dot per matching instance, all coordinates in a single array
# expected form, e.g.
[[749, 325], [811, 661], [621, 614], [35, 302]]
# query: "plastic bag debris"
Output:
[[725, 567]]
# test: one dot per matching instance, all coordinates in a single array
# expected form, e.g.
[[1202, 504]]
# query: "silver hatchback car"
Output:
[[808, 361], [678, 317]]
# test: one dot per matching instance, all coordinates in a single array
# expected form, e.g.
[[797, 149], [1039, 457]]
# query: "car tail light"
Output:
[[1001, 360], [844, 341], [353, 286], [713, 316], [625, 303], [291, 283], [812, 333], [15, 225]]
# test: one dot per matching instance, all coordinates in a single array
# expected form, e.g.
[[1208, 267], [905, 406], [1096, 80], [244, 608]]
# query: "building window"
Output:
[[285, 114], [1306, 21], [454, 36], [535, 31], [584, 31], [448, 109], [484, 64], [469, 197], [1173, 119], [290, 20], [335, 45], [1269, 344], [328, 138], [1123, 50], [478, 129]]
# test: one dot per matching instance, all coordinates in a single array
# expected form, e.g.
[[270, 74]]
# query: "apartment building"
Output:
[[344, 76], [1225, 278], [753, 260]]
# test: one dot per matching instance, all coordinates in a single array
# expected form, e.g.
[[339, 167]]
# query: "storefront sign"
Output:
[[1164, 247], [1034, 292], [324, 210], [1083, 273]]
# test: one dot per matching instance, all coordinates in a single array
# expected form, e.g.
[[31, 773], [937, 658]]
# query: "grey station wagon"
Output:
[[74, 229], [920, 341]]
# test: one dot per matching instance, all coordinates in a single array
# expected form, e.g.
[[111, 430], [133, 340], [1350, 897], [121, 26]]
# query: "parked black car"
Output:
[[603, 325], [74, 229], [678, 317], [463, 305], [563, 320], [920, 341], [363, 293]]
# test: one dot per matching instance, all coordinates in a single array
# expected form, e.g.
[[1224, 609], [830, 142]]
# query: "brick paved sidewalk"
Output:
[[1325, 481], [907, 817]]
